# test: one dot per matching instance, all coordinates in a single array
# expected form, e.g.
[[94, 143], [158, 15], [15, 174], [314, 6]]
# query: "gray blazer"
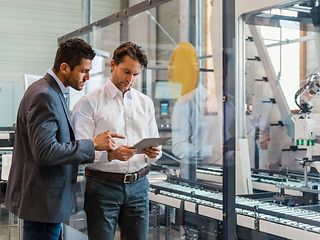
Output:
[[43, 174]]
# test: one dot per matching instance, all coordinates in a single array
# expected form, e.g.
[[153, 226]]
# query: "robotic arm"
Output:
[[307, 91], [305, 130]]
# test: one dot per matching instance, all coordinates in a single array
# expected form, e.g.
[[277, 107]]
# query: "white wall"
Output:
[[29, 30], [104, 8]]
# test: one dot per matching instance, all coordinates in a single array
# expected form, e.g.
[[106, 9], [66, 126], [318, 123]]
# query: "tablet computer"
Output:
[[149, 142]]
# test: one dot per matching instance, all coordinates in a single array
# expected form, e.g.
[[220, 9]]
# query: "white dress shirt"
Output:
[[132, 115], [195, 132]]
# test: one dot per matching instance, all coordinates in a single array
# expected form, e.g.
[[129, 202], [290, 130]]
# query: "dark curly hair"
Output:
[[132, 50], [71, 52]]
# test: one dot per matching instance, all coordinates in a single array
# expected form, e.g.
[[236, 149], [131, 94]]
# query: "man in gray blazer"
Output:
[[46, 156]]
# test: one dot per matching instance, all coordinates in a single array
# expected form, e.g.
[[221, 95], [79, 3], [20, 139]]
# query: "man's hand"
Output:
[[122, 153], [104, 141], [151, 152]]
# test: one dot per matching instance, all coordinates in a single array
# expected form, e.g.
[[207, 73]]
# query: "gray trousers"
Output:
[[110, 203]]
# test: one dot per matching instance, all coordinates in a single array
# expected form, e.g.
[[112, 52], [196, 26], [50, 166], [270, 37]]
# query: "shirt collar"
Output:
[[114, 91], [64, 90], [201, 92]]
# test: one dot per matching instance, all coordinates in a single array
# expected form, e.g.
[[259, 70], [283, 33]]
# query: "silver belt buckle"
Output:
[[127, 175]]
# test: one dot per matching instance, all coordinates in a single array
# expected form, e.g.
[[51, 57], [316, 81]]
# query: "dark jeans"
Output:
[[110, 203], [40, 231]]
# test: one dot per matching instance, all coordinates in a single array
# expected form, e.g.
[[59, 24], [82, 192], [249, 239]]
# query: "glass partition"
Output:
[[282, 64], [282, 111], [180, 81], [276, 161]]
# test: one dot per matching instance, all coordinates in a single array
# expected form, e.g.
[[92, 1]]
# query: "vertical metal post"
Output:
[[168, 222], [86, 5], [229, 70], [148, 82], [124, 24], [87, 17], [192, 22], [188, 32], [156, 224]]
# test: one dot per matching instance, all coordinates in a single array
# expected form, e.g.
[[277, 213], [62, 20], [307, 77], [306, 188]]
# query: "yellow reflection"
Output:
[[183, 67]]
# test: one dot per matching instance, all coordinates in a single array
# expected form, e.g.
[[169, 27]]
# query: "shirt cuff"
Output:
[[101, 156]]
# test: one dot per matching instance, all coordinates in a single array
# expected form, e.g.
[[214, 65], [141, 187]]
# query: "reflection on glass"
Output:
[[186, 104], [195, 130], [282, 50], [195, 123]]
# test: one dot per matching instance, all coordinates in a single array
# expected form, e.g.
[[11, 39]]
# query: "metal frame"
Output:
[[193, 28], [87, 10], [124, 30], [231, 78], [242, 206], [156, 227], [286, 115], [229, 168], [251, 214], [167, 211], [117, 17]]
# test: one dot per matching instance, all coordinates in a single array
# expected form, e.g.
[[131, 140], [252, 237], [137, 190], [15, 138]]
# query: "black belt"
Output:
[[117, 177]]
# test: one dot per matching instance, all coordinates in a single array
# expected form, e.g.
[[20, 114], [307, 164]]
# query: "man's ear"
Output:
[[112, 65], [64, 68]]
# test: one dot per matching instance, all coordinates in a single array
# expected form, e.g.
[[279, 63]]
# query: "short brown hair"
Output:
[[132, 50], [71, 52]]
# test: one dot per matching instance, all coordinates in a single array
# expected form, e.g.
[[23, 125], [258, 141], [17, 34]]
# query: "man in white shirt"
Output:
[[195, 131], [116, 186]]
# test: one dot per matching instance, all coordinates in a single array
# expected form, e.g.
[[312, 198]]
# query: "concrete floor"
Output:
[[4, 227], [77, 222]]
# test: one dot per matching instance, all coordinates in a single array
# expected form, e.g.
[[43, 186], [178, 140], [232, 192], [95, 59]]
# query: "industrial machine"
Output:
[[305, 126], [284, 203], [258, 216], [6, 137]]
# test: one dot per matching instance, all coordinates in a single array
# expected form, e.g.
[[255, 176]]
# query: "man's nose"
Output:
[[87, 77], [130, 78]]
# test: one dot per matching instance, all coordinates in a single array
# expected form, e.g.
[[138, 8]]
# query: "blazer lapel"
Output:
[[55, 85], [66, 111]]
